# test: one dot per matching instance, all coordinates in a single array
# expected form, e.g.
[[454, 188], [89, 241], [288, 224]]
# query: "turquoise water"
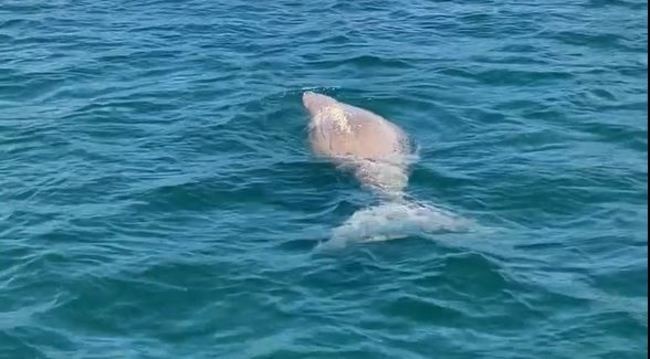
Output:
[[158, 197]]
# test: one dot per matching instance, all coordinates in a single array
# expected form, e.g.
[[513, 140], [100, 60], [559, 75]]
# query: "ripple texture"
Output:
[[158, 198]]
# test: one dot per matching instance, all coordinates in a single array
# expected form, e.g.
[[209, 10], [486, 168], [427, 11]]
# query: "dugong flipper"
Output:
[[378, 152]]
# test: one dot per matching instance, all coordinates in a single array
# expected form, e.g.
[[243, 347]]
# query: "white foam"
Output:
[[394, 220]]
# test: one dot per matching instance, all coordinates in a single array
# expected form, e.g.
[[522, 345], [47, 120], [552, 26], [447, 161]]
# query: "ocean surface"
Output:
[[159, 199]]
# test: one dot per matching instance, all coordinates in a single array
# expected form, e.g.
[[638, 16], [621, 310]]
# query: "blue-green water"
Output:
[[158, 198]]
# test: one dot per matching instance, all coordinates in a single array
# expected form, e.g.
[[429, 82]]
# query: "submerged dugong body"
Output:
[[374, 148]]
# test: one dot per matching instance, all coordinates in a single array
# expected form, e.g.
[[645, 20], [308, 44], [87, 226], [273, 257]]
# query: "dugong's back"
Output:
[[375, 137], [342, 130]]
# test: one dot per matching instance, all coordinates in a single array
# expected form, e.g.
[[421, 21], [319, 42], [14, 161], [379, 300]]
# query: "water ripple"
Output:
[[158, 197]]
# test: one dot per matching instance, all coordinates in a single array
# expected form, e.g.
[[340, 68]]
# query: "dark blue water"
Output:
[[158, 198]]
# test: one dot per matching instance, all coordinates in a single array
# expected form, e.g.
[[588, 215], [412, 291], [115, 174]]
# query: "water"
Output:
[[158, 198]]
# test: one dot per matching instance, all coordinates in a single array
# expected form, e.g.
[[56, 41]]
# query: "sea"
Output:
[[159, 197]]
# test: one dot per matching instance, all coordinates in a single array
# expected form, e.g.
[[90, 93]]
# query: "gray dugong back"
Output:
[[373, 147]]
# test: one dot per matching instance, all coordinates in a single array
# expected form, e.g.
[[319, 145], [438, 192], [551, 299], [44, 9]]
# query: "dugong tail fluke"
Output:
[[378, 153]]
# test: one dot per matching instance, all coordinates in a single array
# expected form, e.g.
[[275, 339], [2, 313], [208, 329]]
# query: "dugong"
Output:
[[376, 149], [378, 152]]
